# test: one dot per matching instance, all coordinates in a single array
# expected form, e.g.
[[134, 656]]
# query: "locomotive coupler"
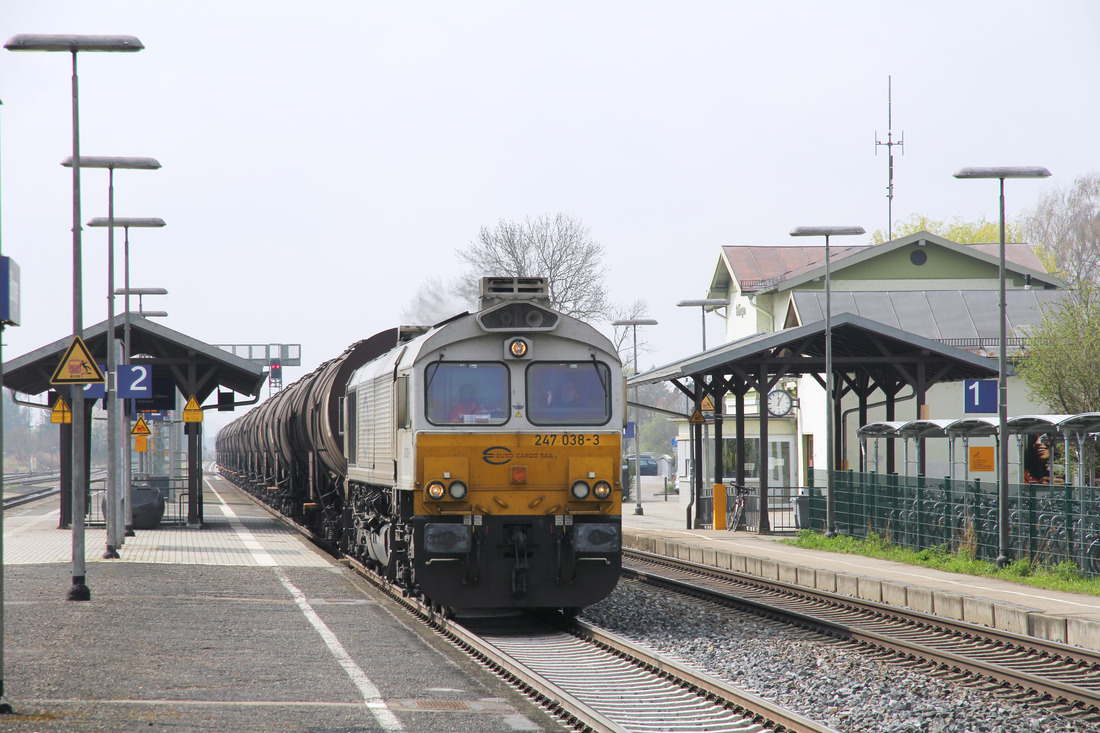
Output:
[[519, 572]]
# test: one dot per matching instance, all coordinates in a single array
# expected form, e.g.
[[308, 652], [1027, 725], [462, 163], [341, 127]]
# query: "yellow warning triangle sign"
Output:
[[77, 366], [192, 412], [141, 427], [697, 417], [60, 413]]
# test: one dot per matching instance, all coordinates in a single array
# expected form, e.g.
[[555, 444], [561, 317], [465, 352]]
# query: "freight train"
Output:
[[475, 463]]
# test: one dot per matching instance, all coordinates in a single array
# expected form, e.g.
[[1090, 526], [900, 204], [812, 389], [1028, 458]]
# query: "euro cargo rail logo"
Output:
[[497, 455]]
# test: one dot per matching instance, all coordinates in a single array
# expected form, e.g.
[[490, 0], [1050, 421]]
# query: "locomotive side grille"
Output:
[[518, 316]]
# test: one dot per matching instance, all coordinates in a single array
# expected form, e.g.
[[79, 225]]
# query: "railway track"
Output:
[[596, 681], [1043, 673], [590, 679]]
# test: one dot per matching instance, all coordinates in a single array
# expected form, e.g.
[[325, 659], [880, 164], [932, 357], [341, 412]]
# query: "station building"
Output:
[[921, 284]]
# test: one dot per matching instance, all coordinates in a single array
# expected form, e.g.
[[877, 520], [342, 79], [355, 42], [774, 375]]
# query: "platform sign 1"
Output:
[[97, 390], [980, 395]]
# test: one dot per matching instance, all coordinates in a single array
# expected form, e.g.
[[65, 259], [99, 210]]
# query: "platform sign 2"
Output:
[[980, 395], [135, 381]]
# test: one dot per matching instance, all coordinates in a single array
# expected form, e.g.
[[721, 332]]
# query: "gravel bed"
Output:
[[820, 680]]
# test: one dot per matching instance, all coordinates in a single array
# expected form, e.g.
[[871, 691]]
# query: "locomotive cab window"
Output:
[[568, 393], [467, 392]]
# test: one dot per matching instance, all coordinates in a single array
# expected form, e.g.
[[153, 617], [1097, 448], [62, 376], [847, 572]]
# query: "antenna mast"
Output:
[[890, 155]]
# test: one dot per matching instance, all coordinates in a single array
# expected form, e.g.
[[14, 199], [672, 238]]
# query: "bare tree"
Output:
[[1066, 226], [555, 246], [624, 335]]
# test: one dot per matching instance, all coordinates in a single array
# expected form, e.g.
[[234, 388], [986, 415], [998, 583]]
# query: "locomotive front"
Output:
[[504, 459]]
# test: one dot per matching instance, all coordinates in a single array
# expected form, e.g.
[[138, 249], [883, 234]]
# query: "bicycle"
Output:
[[735, 510]]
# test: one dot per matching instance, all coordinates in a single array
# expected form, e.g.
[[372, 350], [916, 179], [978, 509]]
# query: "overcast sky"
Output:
[[322, 160]]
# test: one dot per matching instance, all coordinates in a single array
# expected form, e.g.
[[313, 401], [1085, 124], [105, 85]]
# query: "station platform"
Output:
[[239, 626], [1052, 615]]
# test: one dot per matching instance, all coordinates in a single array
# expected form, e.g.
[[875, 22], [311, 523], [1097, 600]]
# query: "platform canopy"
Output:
[[867, 356], [859, 344], [196, 368]]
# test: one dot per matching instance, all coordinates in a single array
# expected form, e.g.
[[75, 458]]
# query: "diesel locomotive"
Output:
[[475, 463]]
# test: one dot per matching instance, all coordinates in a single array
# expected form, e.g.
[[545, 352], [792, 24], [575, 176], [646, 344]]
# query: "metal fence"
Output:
[[1047, 524], [788, 508], [173, 492]]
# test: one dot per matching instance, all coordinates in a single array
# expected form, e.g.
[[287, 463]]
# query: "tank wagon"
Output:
[[475, 463]]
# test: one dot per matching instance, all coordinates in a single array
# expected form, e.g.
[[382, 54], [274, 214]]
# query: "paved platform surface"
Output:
[[1053, 615], [239, 626]]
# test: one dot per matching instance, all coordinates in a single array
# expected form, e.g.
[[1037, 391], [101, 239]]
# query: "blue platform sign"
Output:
[[96, 391], [980, 395], [135, 381], [628, 431]]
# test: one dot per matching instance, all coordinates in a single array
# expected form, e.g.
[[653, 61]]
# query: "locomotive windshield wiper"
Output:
[[599, 374]]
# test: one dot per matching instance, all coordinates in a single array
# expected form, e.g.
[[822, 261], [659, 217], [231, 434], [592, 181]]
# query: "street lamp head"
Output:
[[704, 302], [112, 161], [635, 322], [142, 291], [71, 43], [1002, 172], [127, 221], [825, 231]]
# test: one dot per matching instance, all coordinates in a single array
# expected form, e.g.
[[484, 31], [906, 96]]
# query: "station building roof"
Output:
[[966, 318]]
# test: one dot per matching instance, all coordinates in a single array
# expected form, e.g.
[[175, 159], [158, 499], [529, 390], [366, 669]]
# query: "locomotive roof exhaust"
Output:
[[495, 290], [516, 304]]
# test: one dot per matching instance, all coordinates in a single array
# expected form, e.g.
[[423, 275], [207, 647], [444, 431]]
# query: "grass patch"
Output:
[[1064, 576]]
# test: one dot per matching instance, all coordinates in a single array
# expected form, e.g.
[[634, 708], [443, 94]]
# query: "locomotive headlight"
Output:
[[602, 489], [457, 490], [518, 348], [579, 489], [436, 489]]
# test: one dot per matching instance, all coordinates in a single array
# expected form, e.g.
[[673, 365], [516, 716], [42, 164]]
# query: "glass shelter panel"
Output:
[[467, 392]]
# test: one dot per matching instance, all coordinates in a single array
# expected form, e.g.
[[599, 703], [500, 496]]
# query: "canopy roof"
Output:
[[1082, 424], [858, 344], [195, 367]]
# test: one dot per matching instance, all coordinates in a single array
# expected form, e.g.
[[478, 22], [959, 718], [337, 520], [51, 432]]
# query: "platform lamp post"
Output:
[[125, 222], [704, 304], [1001, 173], [74, 44], [115, 527], [634, 323], [830, 498]]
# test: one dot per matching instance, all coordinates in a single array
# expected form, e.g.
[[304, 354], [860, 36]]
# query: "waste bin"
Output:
[[626, 482], [800, 505]]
